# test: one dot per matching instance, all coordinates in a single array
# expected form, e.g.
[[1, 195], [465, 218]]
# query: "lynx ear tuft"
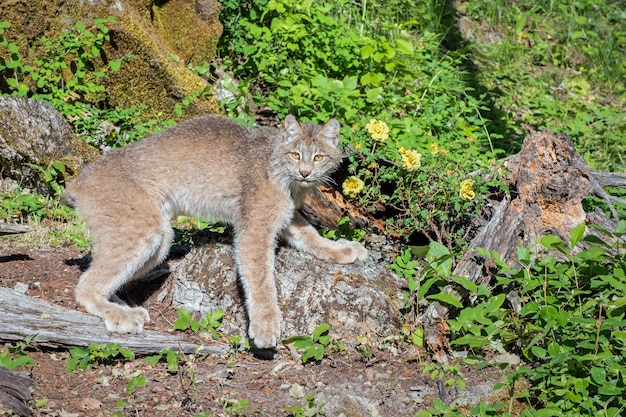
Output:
[[330, 132], [292, 128]]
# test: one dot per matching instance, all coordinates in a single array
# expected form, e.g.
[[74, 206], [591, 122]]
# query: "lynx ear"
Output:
[[292, 128], [330, 132]]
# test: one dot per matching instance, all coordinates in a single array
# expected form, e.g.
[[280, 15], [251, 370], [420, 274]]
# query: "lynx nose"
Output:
[[304, 173]]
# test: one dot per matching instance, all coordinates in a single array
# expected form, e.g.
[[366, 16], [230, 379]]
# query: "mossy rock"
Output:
[[151, 32]]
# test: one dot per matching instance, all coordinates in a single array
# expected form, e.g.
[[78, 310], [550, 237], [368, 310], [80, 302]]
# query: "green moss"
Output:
[[190, 29], [150, 78]]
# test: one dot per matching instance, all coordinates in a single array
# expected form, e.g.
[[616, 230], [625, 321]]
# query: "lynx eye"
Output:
[[318, 158], [295, 155]]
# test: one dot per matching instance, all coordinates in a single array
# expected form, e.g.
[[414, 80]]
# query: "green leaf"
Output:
[[320, 330], [314, 352], [494, 303], [367, 51], [577, 234], [115, 64], [598, 375], [471, 341], [610, 389], [465, 283], [426, 286], [446, 299], [538, 352], [420, 251], [439, 258], [405, 46]]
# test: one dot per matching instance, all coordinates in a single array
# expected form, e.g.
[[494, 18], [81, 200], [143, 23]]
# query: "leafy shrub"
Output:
[[71, 77], [323, 60], [571, 326]]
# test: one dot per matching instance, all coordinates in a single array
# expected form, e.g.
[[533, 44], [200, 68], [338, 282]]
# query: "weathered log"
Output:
[[11, 229], [22, 316], [548, 181], [14, 392]]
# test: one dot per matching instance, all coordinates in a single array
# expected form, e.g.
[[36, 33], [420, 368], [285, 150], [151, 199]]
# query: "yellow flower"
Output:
[[377, 129], [435, 147], [352, 186], [411, 160], [467, 191], [444, 151]]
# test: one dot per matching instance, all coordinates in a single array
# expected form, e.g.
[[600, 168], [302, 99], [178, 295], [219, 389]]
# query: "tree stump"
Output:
[[14, 392], [548, 180]]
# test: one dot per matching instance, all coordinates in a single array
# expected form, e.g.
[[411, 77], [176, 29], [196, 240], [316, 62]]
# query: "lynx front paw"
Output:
[[265, 333], [350, 251], [124, 319]]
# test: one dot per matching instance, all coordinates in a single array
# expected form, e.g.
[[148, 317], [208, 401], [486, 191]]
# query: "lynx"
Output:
[[213, 168]]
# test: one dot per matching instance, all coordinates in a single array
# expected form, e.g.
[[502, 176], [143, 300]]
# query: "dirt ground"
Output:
[[391, 382]]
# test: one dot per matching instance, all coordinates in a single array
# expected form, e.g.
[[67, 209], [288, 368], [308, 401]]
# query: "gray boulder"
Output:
[[33, 132], [361, 299]]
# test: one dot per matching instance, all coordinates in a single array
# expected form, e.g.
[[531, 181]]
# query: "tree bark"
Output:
[[14, 392], [22, 316]]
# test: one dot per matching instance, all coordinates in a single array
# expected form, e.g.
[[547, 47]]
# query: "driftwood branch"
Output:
[[11, 229], [22, 316], [14, 392]]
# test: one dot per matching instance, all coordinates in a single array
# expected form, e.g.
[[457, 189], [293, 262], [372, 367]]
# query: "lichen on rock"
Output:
[[361, 299], [33, 132]]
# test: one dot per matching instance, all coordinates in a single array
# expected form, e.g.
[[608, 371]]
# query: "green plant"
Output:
[[209, 324], [235, 407], [450, 375], [316, 345], [171, 358], [94, 354], [570, 326], [136, 382], [345, 231], [16, 356], [308, 409], [323, 60], [71, 76], [54, 175]]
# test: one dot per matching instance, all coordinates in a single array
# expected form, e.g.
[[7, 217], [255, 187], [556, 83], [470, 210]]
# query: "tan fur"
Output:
[[213, 168]]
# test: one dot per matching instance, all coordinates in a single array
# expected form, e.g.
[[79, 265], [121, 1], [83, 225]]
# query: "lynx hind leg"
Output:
[[301, 235], [118, 258]]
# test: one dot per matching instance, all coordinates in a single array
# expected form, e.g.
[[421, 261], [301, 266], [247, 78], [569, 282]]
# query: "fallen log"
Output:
[[11, 229], [22, 316], [548, 181], [14, 392]]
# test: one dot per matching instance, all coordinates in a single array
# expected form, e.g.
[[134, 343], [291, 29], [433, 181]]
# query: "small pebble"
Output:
[[20, 288]]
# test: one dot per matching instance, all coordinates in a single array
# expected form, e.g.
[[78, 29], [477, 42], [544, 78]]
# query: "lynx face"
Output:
[[310, 152]]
